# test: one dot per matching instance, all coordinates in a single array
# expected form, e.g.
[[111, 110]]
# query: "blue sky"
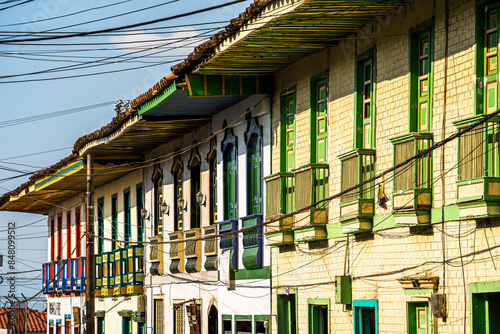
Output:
[[30, 98]]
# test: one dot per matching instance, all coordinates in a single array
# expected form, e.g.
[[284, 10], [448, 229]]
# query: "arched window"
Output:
[[212, 166], [230, 175], [178, 194], [253, 137], [195, 187], [158, 200]]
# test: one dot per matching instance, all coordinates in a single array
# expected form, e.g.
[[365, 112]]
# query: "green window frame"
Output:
[[365, 313], [195, 187], [158, 200], [319, 118], [287, 121], [487, 24], [100, 225], [318, 311], [364, 97], [421, 49], [227, 324], [419, 318], [178, 193], [243, 324], [139, 204], [114, 221], [287, 311], [127, 224], [253, 137], [100, 325], [484, 300], [259, 324], [126, 325], [229, 152]]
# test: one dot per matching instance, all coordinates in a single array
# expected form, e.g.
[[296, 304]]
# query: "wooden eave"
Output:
[[305, 28], [63, 184], [139, 135]]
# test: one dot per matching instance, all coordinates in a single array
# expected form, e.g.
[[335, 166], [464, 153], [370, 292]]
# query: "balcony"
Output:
[[311, 182], [210, 249], [229, 241], [156, 255], [176, 252], [279, 201], [412, 193], [357, 207], [253, 244], [478, 183], [64, 277], [192, 250], [120, 272]]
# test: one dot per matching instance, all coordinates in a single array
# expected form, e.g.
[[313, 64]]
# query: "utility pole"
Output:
[[90, 261]]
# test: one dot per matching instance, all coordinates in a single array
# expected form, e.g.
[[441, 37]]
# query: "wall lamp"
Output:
[[181, 204], [144, 214], [165, 208], [200, 198]]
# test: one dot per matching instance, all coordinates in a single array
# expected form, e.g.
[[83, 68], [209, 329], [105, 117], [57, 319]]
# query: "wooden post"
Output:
[[90, 261]]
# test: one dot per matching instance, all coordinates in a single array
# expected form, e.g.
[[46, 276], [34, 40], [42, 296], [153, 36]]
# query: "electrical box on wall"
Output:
[[343, 291], [438, 305]]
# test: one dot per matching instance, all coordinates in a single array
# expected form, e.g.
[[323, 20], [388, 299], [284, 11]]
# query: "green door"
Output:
[[255, 176], [485, 311], [418, 318], [318, 319], [286, 314], [491, 58], [126, 325]]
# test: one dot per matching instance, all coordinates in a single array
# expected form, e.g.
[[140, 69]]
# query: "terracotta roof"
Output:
[[153, 90], [206, 49], [36, 320]]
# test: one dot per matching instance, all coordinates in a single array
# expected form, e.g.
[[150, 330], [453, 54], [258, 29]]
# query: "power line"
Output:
[[169, 18]]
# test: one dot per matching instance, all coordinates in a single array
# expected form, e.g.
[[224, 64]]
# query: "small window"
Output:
[[227, 326], [158, 317], [243, 327], [179, 319], [365, 316], [260, 327]]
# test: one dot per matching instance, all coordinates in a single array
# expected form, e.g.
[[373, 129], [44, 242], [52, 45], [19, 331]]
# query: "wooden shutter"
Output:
[[230, 180], [367, 102], [424, 82], [290, 131], [491, 59], [255, 175]]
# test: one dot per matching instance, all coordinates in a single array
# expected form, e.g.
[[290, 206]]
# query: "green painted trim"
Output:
[[226, 85], [291, 291], [244, 317], [384, 222], [315, 79], [61, 173], [417, 291], [451, 213], [158, 98], [318, 301], [334, 231], [357, 151], [282, 121], [227, 316], [262, 317], [411, 136], [484, 287], [262, 273], [99, 314]]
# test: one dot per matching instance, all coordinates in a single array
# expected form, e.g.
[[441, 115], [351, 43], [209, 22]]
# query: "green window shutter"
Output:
[[290, 131], [230, 178], [424, 82], [139, 204], [321, 121], [126, 209], [367, 103], [158, 192], [490, 57], [254, 175], [114, 220], [213, 190], [100, 225]]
